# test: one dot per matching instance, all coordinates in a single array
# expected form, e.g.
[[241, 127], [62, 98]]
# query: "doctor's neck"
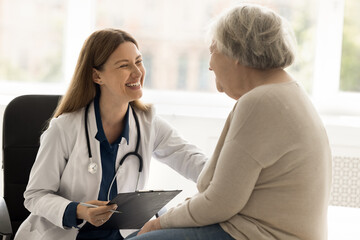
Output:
[[112, 112]]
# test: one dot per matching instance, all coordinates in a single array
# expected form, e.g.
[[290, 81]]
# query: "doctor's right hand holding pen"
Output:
[[95, 212]]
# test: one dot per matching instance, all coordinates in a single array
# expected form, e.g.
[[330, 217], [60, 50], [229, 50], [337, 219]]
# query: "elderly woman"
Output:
[[270, 174]]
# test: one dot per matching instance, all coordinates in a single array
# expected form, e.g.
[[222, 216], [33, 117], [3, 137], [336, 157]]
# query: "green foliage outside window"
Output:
[[350, 60]]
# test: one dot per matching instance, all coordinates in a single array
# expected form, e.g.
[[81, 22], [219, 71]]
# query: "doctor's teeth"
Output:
[[133, 84]]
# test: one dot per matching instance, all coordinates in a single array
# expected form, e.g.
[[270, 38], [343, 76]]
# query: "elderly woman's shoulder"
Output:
[[270, 96], [257, 93], [272, 89], [266, 94]]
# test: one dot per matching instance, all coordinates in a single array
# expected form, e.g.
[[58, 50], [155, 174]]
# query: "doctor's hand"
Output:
[[151, 225], [96, 216]]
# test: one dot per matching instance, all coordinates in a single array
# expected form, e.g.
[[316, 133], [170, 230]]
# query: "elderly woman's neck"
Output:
[[258, 77], [249, 78]]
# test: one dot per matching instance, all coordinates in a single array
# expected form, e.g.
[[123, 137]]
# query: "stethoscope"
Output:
[[92, 167]]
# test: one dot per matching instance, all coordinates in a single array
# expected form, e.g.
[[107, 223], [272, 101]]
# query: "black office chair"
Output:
[[25, 118]]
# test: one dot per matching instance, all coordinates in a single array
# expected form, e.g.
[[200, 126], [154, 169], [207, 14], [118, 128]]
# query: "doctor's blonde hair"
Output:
[[96, 50]]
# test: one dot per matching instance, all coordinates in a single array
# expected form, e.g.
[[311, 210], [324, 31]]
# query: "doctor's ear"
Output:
[[96, 77]]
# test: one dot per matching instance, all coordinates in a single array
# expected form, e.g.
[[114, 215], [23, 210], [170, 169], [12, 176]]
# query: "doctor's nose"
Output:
[[136, 73]]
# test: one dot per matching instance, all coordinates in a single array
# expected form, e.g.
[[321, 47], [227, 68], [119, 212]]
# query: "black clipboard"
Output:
[[136, 209]]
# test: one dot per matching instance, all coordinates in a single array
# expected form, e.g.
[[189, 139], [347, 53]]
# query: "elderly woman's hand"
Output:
[[151, 225]]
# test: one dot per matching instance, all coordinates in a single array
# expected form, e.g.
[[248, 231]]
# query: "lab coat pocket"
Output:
[[59, 234], [26, 231], [38, 228], [42, 229]]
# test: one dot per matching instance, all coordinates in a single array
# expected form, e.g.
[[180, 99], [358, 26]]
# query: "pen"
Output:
[[95, 206]]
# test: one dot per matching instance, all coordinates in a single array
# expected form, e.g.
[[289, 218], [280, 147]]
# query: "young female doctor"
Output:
[[99, 143]]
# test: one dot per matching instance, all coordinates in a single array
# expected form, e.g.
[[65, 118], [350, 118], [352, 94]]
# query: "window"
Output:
[[172, 29], [40, 43], [148, 64], [350, 57], [182, 72], [204, 76], [32, 40]]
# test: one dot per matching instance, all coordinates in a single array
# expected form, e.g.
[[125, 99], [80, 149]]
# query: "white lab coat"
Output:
[[60, 173]]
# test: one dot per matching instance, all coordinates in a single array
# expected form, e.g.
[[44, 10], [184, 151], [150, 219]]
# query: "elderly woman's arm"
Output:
[[233, 182], [222, 199]]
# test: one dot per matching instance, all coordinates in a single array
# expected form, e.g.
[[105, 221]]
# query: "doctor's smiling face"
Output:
[[122, 75]]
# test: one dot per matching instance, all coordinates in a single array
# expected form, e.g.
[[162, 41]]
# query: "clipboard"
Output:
[[136, 209]]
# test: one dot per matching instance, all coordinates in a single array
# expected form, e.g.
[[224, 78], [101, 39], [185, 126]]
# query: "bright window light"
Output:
[[40, 43]]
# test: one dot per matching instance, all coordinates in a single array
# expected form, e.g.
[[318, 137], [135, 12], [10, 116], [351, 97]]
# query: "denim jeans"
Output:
[[211, 232]]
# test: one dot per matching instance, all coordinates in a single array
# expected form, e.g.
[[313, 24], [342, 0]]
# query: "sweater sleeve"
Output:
[[228, 192]]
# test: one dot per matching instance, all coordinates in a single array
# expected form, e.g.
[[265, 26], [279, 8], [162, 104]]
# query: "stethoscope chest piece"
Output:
[[92, 168]]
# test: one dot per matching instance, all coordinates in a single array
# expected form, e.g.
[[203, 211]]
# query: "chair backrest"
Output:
[[25, 118]]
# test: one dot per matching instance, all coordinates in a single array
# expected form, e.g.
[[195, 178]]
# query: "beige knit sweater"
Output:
[[270, 174]]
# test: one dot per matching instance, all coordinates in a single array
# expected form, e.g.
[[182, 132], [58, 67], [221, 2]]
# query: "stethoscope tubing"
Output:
[[134, 153]]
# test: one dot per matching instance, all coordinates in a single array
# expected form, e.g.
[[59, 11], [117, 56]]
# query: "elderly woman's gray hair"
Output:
[[255, 36]]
